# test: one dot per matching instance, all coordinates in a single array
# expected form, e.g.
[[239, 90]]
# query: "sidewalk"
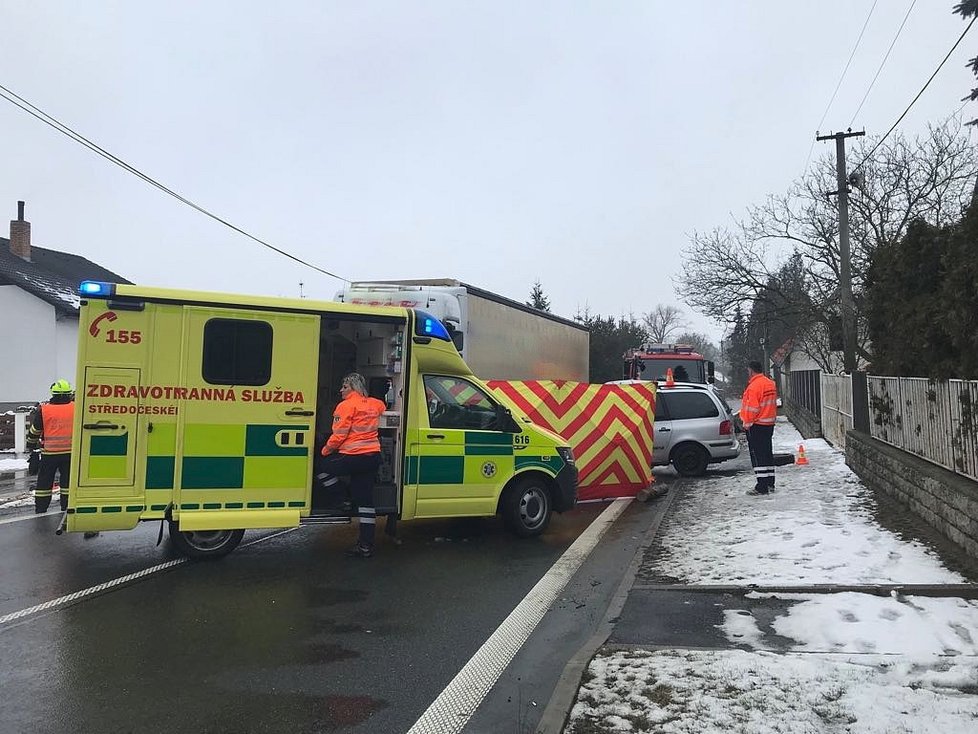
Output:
[[797, 612]]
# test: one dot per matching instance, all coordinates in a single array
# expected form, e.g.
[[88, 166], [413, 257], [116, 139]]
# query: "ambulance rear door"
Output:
[[247, 421]]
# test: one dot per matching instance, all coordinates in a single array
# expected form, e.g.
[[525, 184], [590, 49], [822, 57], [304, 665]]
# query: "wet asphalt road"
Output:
[[283, 635]]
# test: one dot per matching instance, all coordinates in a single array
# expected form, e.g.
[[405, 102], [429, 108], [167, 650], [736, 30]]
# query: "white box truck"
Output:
[[499, 338]]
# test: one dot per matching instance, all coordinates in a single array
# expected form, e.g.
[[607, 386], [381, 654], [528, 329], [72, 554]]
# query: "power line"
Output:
[[839, 84], [882, 63], [31, 109], [914, 100]]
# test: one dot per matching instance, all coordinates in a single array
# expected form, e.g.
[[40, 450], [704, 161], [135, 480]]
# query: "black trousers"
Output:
[[761, 456], [362, 470], [51, 465]]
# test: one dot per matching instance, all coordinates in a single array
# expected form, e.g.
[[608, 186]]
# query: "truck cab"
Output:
[[655, 361]]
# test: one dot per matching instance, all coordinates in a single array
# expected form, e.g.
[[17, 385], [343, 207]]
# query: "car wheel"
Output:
[[526, 507], [204, 544], [690, 460]]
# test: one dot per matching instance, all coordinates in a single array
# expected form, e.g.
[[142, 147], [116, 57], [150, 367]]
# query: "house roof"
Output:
[[50, 275], [782, 352]]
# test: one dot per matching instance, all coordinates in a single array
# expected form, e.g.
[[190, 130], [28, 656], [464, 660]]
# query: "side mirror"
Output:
[[711, 372], [505, 420]]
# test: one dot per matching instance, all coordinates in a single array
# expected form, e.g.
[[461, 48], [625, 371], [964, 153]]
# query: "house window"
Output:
[[237, 352]]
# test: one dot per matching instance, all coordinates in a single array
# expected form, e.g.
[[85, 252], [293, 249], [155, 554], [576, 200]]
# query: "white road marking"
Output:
[[32, 516], [453, 708], [114, 582]]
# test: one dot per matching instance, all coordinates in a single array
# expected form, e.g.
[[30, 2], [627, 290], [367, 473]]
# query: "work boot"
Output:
[[360, 551], [756, 492]]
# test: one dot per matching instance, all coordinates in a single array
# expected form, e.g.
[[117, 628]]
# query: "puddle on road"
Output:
[[327, 652], [328, 596], [346, 711]]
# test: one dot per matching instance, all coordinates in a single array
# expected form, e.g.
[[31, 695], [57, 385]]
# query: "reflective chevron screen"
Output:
[[608, 426]]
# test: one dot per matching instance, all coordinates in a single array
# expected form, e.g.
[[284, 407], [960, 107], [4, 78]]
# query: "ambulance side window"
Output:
[[456, 403], [237, 352]]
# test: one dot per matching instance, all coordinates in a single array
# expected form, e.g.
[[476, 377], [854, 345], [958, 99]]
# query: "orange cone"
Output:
[[802, 460], [669, 381]]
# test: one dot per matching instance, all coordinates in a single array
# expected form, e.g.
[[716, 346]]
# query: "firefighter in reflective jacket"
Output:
[[51, 428], [758, 413], [353, 449]]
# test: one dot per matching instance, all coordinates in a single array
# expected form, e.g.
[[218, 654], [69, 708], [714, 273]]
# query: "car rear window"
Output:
[[685, 405]]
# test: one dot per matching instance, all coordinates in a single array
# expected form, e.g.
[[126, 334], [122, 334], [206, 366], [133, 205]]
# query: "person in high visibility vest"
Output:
[[51, 429], [758, 413], [353, 448]]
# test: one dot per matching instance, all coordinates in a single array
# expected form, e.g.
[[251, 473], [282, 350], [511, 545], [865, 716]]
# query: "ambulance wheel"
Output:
[[526, 507], [690, 460], [201, 544]]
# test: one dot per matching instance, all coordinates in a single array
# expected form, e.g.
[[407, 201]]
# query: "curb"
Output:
[[562, 699]]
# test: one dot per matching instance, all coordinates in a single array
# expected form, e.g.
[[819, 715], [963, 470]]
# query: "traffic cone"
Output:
[[669, 381], [802, 460]]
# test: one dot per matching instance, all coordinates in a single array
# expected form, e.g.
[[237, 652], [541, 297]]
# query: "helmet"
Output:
[[60, 387]]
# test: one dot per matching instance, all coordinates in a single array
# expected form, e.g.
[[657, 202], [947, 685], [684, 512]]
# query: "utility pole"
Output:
[[845, 266]]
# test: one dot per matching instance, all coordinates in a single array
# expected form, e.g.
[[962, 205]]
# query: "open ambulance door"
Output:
[[247, 424]]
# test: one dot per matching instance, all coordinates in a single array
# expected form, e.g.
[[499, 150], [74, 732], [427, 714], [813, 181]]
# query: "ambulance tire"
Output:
[[204, 544], [526, 507]]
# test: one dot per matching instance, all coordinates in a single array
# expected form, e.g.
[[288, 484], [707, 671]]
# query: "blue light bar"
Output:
[[95, 288], [428, 325]]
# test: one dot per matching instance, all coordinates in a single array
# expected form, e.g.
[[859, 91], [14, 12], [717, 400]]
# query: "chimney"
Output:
[[20, 234]]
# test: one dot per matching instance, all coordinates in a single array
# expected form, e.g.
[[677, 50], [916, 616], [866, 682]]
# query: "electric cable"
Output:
[[839, 83], [28, 107], [914, 100], [882, 63]]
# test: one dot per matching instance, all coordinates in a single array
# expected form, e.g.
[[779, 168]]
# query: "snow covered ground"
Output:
[[855, 662], [12, 464]]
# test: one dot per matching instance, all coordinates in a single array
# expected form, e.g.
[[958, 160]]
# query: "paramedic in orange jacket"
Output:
[[51, 424], [758, 412], [353, 449]]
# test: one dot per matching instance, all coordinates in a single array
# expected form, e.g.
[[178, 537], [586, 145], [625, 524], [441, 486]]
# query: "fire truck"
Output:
[[652, 362]]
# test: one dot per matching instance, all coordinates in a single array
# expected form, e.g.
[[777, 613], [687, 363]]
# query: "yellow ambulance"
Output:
[[206, 411]]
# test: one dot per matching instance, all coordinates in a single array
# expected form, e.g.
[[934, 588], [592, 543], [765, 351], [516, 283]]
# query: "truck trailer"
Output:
[[499, 338]]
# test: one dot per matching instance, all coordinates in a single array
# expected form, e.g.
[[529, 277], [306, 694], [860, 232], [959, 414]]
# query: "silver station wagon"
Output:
[[694, 427]]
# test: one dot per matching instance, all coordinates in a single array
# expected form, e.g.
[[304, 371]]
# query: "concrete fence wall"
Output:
[[945, 500]]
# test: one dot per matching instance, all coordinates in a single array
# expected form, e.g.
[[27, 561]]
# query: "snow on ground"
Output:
[[863, 623], [855, 662], [816, 528], [12, 464], [24, 499], [706, 692]]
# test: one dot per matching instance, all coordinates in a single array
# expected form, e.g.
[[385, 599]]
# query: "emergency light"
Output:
[[428, 325], [95, 288]]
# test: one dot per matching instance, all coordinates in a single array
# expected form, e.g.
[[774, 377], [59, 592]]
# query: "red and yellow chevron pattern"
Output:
[[609, 427]]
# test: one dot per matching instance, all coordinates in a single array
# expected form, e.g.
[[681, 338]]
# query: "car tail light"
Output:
[[726, 428]]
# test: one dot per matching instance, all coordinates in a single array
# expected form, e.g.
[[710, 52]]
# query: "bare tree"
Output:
[[662, 322], [929, 178]]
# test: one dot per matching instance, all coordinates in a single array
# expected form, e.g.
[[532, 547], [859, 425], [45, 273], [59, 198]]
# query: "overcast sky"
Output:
[[578, 143]]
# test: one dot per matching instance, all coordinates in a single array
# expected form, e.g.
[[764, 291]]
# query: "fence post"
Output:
[[20, 432], [860, 402]]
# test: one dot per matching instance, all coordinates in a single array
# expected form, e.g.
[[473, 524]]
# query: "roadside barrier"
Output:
[[609, 427]]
